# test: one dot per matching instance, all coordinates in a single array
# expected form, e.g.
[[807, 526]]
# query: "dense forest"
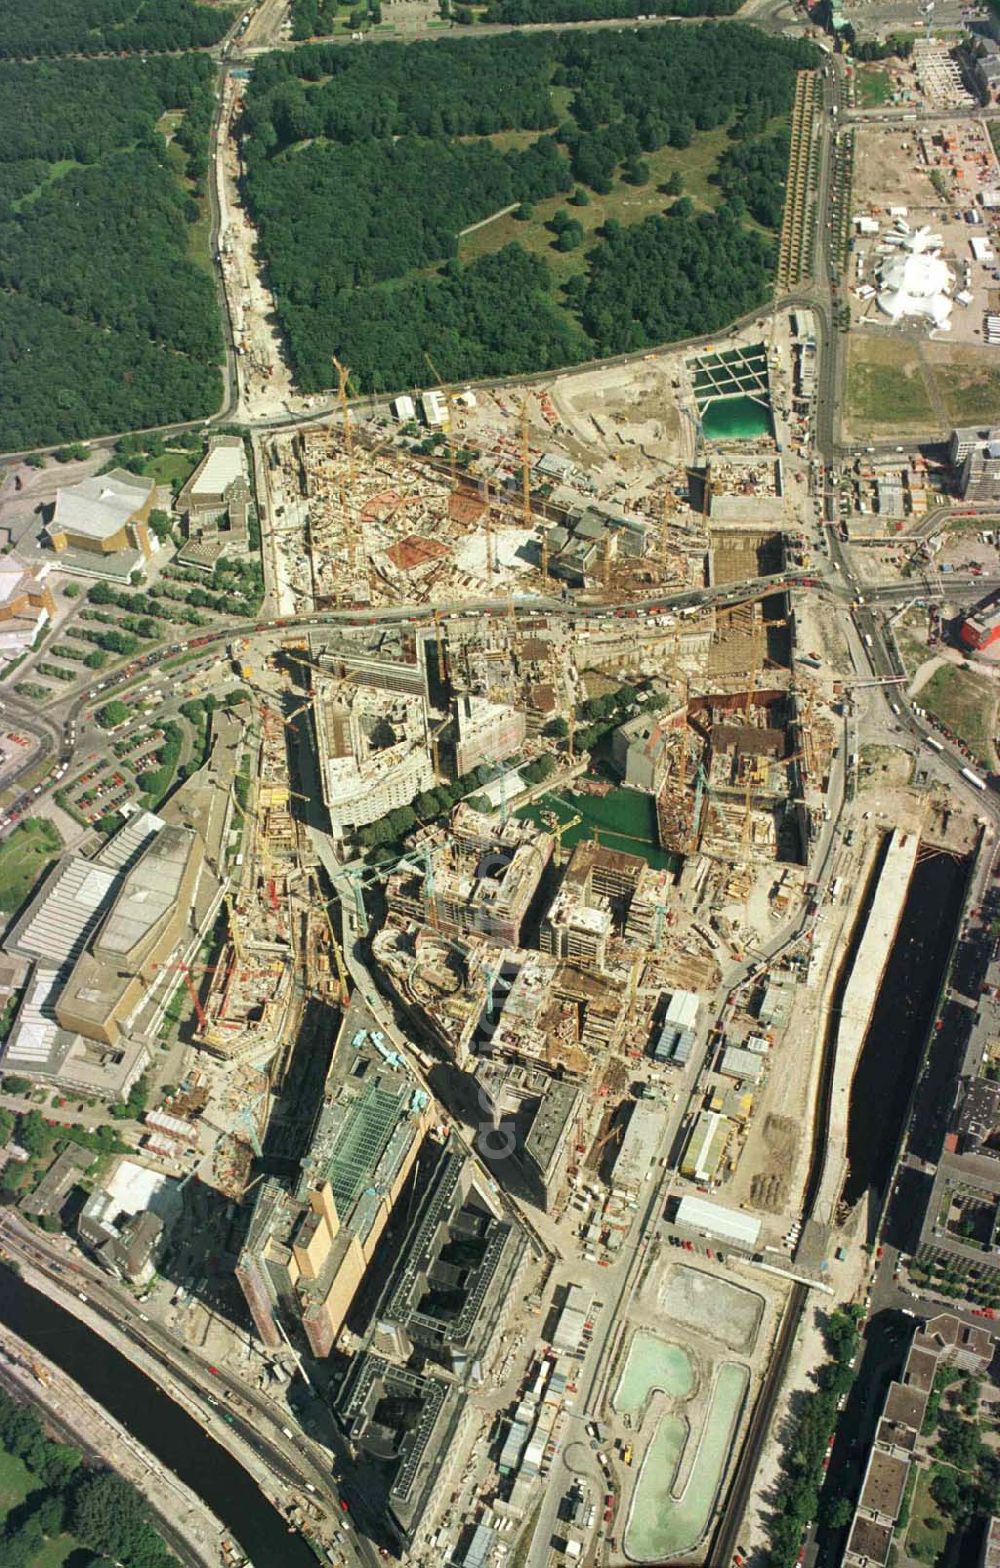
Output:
[[105, 321], [363, 167], [107, 1517], [54, 27]]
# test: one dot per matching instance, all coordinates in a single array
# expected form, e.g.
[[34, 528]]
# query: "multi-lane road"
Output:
[[295, 1467]]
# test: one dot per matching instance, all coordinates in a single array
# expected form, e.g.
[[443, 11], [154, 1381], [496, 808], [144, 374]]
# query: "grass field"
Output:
[[23, 856], [173, 468], [911, 639], [885, 388], [626, 203], [969, 386], [966, 703], [16, 1481], [874, 88], [928, 1530]]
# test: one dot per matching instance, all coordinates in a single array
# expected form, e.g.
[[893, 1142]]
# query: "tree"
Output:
[[635, 171], [111, 715], [557, 728], [14, 1084], [110, 1516], [674, 185], [32, 1133], [570, 236], [837, 1512], [71, 590], [159, 522]]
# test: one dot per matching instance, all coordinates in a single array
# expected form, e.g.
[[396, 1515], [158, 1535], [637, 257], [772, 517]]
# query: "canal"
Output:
[[894, 1045], [178, 1442]]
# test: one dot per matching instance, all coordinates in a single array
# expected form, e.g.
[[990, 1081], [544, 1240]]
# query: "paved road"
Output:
[[297, 1463]]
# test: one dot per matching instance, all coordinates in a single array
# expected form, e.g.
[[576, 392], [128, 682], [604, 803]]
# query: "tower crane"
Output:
[[525, 465], [443, 674], [433, 737], [449, 403], [338, 958], [343, 377], [559, 828]]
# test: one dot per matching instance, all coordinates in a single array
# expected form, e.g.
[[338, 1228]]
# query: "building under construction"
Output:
[[478, 876], [247, 1011]]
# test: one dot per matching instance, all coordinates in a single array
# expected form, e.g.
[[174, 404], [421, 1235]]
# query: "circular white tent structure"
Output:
[[914, 281]]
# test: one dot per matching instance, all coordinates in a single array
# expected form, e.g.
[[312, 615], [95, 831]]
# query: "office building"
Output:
[[374, 751], [308, 1249], [486, 732]]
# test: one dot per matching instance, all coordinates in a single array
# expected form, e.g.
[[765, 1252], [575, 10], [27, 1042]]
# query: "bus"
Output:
[[935, 745], [973, 778]]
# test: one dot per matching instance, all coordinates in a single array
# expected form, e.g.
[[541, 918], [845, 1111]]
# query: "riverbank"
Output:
[[236, 1482], [188, 1527]]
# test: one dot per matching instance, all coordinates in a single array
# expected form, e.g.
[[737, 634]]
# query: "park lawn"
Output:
[[23, 857], [929, 1528], [626, 203], [172, 467], [15, 1482], [55, 1552], [874, 88], [966, 703], [55, 171]]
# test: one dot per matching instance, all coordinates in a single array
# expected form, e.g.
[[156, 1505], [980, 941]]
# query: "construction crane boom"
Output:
[[525, 465], [449, 403]]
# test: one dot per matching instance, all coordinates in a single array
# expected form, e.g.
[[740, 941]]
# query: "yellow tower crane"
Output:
[[338, 958], [525, 465], [234, 930], [490, 542], [343, 378], [449, 428], [558, 828]]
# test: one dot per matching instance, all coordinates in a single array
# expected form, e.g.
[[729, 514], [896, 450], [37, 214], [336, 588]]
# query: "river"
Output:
[[156, 1421]]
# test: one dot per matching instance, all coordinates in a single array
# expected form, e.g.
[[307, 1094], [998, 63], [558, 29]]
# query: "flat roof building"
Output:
[[374, 751], [714, 1219], [486, 732], [92, 933], [706, 1147]]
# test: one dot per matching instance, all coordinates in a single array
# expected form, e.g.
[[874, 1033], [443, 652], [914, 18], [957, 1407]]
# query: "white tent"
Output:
[[914, 281]]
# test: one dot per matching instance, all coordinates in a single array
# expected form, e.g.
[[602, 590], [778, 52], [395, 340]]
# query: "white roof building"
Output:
[[713, 1219], [221, 468], [914, 281]]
